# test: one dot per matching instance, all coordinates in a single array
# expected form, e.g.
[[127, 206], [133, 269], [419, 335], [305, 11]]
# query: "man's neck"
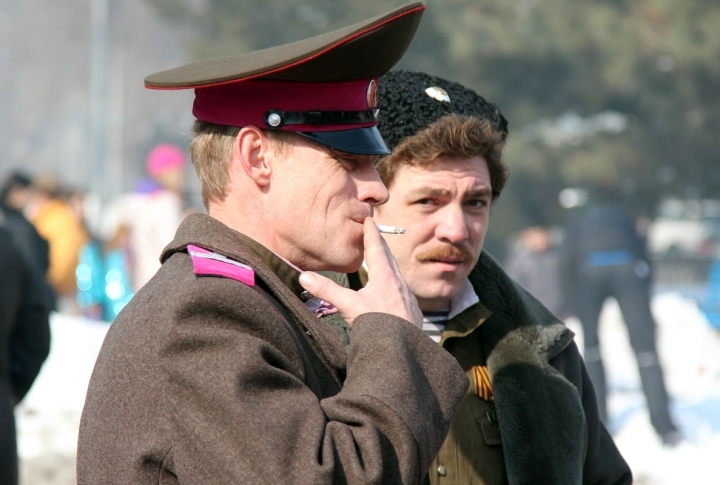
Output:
[[243, 218], [463, 299], [433, 305]]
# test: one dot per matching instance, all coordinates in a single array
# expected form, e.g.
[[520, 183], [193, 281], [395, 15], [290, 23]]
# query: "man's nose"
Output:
[[451, 226], [371, 189]]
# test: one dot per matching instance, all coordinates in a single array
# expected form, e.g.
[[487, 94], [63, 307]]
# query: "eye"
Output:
[[424, 201], [347, 162], [477, 203]]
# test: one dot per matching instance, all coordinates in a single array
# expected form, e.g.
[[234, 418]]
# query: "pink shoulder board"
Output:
[[207, 263]]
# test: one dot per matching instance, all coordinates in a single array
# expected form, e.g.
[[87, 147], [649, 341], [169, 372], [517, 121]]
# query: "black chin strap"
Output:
[[276, 119]]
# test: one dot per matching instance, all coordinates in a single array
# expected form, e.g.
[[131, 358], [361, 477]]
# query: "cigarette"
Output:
[[390, 229]]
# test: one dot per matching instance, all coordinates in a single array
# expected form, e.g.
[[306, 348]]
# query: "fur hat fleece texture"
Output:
[[406, 106]]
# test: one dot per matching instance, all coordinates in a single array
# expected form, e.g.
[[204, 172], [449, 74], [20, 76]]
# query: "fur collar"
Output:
[[540, 414]]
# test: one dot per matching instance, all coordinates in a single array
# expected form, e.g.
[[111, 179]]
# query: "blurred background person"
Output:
[[118, 285], [146, 219], [57, 222], [24, 341], [103, 278], [15, 192], [91, 274], [604, 256], [533, 261]]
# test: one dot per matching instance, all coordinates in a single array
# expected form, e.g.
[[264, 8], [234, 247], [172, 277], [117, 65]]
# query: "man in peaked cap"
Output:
[[220, 369], [530, 414]]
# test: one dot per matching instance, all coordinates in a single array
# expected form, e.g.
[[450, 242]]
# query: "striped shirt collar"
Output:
[[434, 322]]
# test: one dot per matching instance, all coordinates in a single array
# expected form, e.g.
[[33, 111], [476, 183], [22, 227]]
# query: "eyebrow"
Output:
[[479, 193], [425, 192]]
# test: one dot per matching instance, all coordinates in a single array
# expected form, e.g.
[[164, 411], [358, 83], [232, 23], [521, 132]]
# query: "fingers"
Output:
[[321, 287], [385, 279], [372, 240], [385, 292], [345, 300], [377, 253], [417, 315]]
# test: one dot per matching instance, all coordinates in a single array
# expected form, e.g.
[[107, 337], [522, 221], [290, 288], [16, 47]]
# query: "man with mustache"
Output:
[[530, 414], [220, 370]]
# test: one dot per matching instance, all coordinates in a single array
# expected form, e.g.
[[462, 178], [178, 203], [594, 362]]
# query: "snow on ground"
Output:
[[689, 350], [49, 416]]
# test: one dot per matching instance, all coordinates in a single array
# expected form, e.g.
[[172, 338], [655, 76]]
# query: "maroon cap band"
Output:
[[248, 102]]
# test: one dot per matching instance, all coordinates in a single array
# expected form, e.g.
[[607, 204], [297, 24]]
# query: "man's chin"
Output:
[[437, 284], [349, 265], [435, 299], [348, 268]]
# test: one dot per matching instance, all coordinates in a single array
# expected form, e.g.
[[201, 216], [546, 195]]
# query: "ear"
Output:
[[254, 154]]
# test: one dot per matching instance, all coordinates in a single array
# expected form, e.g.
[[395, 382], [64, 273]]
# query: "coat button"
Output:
[[442, 471], [305, 296]]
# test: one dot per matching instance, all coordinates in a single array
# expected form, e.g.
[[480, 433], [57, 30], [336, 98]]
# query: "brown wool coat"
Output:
[[205, 380]]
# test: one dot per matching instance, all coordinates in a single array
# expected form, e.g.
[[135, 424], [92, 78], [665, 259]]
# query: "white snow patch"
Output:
[[689, 350], [49, 416]]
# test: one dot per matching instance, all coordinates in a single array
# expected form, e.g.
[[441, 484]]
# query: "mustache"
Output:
[[448, 251]]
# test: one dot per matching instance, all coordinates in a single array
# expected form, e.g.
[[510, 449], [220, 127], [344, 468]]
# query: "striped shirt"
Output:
[[434, 324]]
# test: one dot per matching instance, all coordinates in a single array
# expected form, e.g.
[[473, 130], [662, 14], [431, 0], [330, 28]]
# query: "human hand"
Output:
[[385, 292]]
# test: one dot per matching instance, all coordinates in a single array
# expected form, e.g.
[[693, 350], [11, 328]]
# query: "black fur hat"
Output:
[[410, 101]]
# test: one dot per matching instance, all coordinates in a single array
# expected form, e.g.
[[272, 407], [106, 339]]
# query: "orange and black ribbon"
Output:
[[482, 382]]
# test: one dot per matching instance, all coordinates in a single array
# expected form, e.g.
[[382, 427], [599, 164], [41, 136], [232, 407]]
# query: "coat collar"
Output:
[[511, 303], [466, 322], [521, 338], [209, 233], [234, 245], [287, 273]]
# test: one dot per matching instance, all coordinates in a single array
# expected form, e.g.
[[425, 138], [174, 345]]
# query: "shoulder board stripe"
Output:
[[207, 263]]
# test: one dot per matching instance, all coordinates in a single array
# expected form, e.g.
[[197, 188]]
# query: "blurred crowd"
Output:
[[53, 257], [600, 253], [94, 265]]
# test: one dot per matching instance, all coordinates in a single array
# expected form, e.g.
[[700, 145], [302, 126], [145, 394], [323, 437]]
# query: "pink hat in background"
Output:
[[165, 157]]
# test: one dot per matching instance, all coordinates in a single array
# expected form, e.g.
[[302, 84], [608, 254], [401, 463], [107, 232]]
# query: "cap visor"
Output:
[[362, 141], [374, 45]]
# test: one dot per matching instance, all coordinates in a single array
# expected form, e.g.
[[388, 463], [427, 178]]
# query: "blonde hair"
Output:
[[211, 149]]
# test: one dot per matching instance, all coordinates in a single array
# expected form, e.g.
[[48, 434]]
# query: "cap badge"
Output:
[[372, 95], [438, 93]]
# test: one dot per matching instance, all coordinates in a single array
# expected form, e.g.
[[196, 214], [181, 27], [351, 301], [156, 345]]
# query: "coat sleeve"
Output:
[[245, 409], [603, 465]]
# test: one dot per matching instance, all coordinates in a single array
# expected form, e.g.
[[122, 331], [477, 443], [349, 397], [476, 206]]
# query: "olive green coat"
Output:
[[206, 380], [541, 426]]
